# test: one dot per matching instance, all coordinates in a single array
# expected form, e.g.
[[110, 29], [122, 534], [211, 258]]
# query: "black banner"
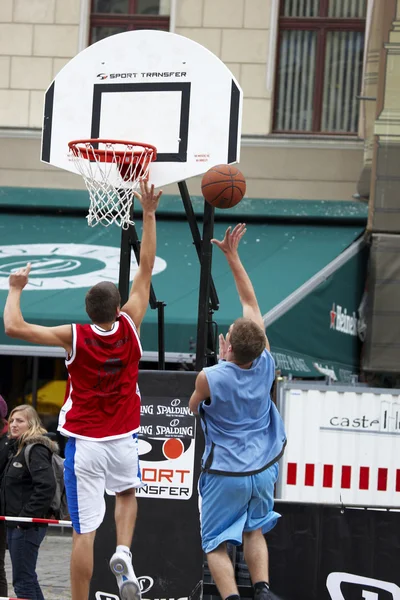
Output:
[[325, 553], [166, 548]]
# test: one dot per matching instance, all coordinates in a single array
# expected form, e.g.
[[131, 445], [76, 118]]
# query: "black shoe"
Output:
[[265, 593]]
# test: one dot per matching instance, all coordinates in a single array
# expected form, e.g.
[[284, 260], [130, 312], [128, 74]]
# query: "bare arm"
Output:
[[136, 305], [16, 327], [201, 392], [229, 246]]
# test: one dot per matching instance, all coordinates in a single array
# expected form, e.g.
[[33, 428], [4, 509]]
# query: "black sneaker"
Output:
[[264, 593]]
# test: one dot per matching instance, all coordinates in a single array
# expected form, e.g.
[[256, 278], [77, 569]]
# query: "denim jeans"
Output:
[[23, 545], [3, 578]]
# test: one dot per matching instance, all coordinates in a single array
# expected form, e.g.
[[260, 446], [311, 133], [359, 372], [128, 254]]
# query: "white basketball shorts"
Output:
[[92, 467]]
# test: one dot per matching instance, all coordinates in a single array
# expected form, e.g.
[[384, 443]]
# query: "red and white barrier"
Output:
[[35, 520], [343, 445], [357, 478]]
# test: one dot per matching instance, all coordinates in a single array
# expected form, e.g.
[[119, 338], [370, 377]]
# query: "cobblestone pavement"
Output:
[[52, 568]]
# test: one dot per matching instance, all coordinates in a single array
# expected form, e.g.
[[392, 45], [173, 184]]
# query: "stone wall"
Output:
[[38, 37]]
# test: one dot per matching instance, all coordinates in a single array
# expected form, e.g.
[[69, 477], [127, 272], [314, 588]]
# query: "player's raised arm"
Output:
[[229, 246], [16, 327], [136, 306], [201, 392]]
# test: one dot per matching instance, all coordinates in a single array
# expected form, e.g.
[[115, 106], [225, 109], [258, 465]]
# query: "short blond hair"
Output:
[[35, 425]]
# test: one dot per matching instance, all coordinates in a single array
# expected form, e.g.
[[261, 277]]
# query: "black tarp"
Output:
[[351, 546]]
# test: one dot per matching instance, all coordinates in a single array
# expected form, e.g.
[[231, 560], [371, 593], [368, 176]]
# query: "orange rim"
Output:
[[79, 148]]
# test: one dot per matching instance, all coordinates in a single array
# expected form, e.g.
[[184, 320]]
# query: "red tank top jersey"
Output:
[[102, 400]]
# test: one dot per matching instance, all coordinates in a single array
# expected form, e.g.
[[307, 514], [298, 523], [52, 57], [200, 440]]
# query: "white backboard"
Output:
[[152, 87]]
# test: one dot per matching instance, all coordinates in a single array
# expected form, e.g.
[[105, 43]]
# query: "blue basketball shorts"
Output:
[[230, 506]]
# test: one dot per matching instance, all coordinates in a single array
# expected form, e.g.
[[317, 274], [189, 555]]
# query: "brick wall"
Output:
[[37, 38], [237, 31]]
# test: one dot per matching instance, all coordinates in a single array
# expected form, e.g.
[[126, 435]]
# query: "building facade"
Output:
[[300, 65]]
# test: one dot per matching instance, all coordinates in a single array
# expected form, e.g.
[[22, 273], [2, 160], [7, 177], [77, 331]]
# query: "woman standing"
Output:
[[3, 539], [27, 491]]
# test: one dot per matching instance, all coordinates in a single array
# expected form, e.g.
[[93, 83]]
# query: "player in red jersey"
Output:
[[101, 411]]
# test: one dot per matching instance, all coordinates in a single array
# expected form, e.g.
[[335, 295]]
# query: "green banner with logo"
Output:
[[68, 258], [323, 327]]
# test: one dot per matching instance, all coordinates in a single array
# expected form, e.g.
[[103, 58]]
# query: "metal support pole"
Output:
[[125, 259], [124, 265], [191, 217], [204, 353], [129, 241], [161, 336], [35, 380], [134, 244]]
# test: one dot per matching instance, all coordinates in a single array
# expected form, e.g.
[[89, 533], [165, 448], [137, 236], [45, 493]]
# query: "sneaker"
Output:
[[265, 594], [121, 566]]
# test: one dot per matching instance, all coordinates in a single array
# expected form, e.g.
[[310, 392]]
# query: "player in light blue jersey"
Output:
[[244, 439]]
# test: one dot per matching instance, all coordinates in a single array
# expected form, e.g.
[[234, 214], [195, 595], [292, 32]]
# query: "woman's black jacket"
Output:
[[26, 492]]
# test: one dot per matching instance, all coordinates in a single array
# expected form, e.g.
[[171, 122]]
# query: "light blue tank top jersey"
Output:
[[243, 430]]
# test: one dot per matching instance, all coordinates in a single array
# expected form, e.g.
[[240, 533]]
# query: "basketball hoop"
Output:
[[112, 171]]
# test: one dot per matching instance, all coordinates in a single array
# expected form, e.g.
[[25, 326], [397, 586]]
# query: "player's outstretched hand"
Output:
[[223, 346], [147, 198], [230, 243], [19, 279]]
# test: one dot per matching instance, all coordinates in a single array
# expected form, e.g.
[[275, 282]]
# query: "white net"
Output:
[[112, 172]]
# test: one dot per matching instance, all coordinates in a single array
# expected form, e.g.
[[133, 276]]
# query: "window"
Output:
[[320, 61], [116, 16]]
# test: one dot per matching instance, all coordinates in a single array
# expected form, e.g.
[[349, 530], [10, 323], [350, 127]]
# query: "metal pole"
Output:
[[204, 292], [124, 265], [129, 241], [191, 217], [134, 243], [212, 336], [161, 336], [125, 260], [35, 380]]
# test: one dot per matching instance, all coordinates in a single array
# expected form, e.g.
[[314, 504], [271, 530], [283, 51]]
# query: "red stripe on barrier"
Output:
[[309, 475], [328, 476], [35, 520], [346, 477], [291, 473], [364, 478], [48, 521], [327, 480], [382, 480]]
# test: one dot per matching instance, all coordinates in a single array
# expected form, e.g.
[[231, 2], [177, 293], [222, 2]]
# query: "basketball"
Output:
[[223, 186]]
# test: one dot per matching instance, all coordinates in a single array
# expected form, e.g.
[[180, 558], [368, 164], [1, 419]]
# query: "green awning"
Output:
[[68, 257], [321, 325]]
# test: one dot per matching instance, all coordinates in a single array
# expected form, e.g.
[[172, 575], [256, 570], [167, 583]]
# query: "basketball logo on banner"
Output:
[[65, 266], [167, 449]]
